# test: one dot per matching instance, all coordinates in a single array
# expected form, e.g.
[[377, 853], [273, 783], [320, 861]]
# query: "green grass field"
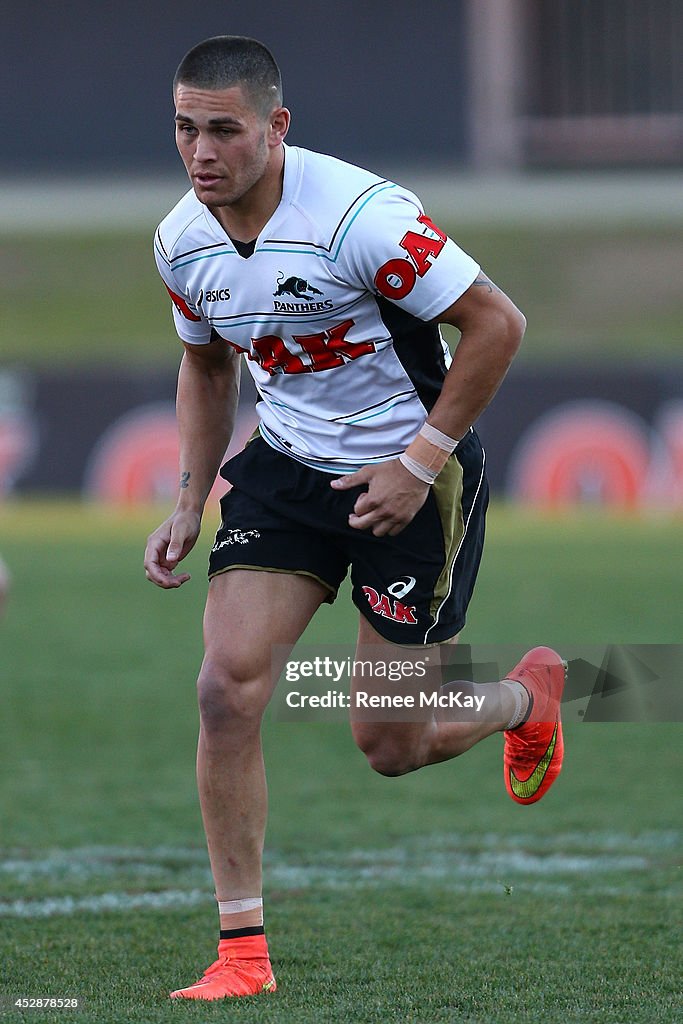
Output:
[[95, 298], [429, 898]]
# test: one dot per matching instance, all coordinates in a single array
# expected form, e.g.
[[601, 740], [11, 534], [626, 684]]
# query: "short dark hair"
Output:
[[224, 61]]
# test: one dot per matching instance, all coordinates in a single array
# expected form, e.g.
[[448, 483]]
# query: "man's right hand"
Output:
[[168, 545]]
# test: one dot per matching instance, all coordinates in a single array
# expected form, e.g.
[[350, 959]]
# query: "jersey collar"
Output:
[[291, 180]]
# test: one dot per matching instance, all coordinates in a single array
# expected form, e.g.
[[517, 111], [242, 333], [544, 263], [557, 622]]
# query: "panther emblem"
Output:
[[295, 286]]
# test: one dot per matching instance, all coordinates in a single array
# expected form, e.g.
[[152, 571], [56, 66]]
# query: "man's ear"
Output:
[[279, 125]]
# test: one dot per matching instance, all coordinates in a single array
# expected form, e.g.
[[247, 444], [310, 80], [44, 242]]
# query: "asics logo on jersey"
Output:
[[295, 286], [217, 295]]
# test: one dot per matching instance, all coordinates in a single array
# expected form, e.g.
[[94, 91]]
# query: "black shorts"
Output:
[[414, 588]]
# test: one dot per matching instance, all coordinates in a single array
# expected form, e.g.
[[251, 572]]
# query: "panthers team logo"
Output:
[[295, 286]]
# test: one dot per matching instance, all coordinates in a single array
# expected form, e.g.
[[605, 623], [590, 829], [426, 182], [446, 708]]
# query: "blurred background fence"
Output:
[[545, 135]]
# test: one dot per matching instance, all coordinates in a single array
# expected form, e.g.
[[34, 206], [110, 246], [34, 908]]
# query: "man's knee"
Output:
[[229, 693], [386, 754]]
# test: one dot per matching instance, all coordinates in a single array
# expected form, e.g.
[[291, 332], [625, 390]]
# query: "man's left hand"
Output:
[[393, 497]]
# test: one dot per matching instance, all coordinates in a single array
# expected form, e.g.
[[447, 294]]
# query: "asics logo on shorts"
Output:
[[402, 586]]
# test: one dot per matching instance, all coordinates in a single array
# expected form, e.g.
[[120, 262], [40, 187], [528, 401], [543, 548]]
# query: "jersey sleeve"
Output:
[[189, 321], [395, 250]]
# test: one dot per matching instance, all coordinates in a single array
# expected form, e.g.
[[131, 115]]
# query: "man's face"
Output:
[[224, 142]]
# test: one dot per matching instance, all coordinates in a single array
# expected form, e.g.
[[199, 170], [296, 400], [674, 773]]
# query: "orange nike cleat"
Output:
[[242, 969], [533, 753]]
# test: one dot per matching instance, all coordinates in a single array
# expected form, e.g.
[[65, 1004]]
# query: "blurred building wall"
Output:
[[90, 84], [606, 82], [492, 83], [575, 83]]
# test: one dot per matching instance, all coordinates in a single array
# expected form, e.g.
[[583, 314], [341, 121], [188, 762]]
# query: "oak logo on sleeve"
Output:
[[396, 278]]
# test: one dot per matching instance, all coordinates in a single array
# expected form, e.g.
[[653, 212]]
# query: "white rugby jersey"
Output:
[[331, 310]]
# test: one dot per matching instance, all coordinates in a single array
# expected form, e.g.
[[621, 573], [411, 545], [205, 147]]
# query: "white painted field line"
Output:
[[355, 863], [59, 906], [172, 899], [116, 857], [554, 865]]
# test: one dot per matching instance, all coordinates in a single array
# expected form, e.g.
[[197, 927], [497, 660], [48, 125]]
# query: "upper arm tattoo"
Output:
[[483, 281]]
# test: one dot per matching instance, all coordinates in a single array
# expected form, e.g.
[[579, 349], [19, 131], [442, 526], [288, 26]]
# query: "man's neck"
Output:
[[245, 219]]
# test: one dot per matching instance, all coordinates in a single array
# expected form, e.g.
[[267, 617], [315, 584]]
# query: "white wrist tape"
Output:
[[441, 440], [428, 476], [428, 453], [237, 906]]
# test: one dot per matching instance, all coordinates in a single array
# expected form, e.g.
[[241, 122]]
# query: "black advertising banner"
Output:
[[554, 436]]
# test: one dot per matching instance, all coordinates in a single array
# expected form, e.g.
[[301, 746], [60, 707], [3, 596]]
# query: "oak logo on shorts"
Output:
[[382, 604], [396, 278]]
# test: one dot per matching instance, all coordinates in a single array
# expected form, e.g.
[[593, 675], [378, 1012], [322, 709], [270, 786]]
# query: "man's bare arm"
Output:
[[206, 405], [491, 329]]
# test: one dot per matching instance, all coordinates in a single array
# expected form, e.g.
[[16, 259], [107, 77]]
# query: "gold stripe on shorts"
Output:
[[447, 490], [278, 569]]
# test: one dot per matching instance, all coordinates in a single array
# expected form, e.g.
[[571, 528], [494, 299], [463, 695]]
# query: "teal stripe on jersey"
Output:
[[269, 400], [371, 416], [209, 256], [328, 256], [275, 249], [161, 252], [274, 318], [324, 256], [236, 320], [326, 467]]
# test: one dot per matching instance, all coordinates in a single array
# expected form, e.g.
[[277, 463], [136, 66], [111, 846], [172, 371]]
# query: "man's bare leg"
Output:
[[247, 612], [394, 747]]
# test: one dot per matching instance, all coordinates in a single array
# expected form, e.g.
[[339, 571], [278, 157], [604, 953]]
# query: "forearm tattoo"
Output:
[[184, 480]]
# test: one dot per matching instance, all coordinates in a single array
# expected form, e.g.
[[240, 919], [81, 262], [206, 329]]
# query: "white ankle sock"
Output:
[[521, 695]]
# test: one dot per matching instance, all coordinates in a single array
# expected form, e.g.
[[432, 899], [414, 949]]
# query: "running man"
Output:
[[332, 282]]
